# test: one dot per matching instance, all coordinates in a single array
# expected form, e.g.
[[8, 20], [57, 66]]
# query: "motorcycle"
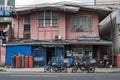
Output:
[[83, 66], [59, 67], [47, 68], [56, 67], [105, 62]]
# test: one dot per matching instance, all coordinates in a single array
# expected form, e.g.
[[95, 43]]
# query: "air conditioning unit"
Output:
[[58, 37]]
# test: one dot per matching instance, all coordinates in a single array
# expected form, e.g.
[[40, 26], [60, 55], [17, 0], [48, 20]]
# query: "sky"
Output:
[[20, 3]]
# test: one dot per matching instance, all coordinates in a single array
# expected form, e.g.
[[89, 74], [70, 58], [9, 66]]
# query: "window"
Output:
[[27, 23], [81, 23], [27, 20], [2, 2], [77, 52], [27, 27], [48, 18]]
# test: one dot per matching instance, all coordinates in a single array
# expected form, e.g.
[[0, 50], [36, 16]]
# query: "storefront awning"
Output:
[[44, 43], [62, 42], [90, 42]]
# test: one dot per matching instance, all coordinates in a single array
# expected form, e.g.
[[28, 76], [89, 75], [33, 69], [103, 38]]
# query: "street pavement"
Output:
[[41, 69], [58, 76]]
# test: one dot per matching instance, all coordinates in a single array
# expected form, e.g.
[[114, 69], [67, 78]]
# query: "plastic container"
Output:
[[13, 61], [18, 61], [22, 61], [26, 63], [30, 62]]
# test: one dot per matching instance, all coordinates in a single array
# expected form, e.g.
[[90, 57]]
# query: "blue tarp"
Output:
[[70, 61], [5, 13], [1, 12]]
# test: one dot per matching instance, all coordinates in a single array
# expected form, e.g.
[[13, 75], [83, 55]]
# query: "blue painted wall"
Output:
[[14, 50]]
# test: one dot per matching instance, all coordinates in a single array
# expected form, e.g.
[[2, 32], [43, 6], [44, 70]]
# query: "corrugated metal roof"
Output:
[[52, 6], [65, 5]]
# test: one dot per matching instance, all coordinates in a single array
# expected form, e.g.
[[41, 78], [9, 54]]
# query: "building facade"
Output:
[[6, 7], [56, 32]]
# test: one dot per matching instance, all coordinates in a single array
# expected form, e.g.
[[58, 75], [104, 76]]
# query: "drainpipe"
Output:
[[112, 38]]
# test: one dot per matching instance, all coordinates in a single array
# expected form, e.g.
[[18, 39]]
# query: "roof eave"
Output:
[[61, 8]]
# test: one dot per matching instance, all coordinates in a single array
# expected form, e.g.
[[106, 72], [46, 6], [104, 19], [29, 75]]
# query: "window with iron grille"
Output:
[[2, 2], [48, 18], [27, 23], [81, 23], [27, 27], [27, 20]]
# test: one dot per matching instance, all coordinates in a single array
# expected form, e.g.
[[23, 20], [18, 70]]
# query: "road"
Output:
[[58, 76]]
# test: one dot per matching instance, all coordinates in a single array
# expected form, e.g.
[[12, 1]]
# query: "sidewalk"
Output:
[[98, 70]]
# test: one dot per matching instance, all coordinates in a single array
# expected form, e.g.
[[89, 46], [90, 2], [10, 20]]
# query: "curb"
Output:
[[41, 70]]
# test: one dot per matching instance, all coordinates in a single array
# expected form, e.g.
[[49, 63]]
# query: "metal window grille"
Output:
[[81, 23], [48, 18]]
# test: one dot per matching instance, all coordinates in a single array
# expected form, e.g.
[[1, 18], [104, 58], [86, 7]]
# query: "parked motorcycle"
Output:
[[56, 67], [83, 66], [47, 68], [105, 62], [59, 67]]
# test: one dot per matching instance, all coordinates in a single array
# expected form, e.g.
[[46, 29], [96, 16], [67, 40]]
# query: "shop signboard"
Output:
[[84, 38]]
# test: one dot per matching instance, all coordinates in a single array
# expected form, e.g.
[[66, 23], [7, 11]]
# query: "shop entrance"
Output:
[[50, 53]]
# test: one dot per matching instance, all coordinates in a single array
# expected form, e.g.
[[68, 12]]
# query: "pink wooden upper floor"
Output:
[[63, 27]]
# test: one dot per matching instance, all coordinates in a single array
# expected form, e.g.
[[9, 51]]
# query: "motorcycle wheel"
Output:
[[91, 69], [55, 69], [64, 69], [74, 69], [47, 69]]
